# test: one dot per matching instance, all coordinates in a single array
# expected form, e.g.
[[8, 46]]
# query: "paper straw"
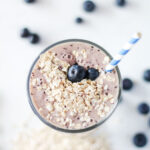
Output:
[[124, 51]]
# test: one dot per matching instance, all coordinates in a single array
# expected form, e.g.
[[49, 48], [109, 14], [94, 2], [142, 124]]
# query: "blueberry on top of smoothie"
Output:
[[89, 6], [140, 139], [76, 73], [92, 73]]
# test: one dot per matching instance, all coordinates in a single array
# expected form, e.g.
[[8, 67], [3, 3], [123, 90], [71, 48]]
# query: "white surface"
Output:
[[109, 26]]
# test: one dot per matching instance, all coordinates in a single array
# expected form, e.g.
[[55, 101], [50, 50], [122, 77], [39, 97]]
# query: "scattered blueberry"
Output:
[[127, 84], [89, 6], [25, 32], [140, 139], [79, 20], [147, 75], [34, 38], [120, 2], [143, 108], [92, 73], [29, 1], [76, 73]]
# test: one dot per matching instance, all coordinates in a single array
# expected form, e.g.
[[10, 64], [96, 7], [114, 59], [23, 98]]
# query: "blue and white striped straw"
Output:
[[126, 48]]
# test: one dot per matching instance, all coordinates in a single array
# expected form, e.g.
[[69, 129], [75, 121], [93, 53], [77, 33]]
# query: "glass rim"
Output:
[[72, 130]]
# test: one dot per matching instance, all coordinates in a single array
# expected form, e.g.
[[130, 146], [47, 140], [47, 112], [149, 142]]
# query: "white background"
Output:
[[109, 26]]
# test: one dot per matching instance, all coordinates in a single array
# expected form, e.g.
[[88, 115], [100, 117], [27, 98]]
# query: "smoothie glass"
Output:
[[73, 130]]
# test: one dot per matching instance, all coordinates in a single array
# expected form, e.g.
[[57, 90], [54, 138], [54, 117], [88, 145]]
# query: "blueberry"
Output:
[[92, 73], [147, 75], [143, 108], [34, 38], [29, 1], [24, 32], [140, 139], [79, 20], [127, 84], [120, 2], [89, 6], [76, 73]]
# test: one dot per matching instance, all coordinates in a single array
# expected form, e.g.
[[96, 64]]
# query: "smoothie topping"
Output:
[[79, 54], [92, 73], [70, 104], [76, 73]]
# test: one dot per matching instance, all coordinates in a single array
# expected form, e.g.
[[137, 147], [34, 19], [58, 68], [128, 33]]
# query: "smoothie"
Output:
[[73, 105]]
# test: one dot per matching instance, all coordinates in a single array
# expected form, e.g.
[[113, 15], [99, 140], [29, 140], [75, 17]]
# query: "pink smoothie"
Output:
[[70, 105]]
